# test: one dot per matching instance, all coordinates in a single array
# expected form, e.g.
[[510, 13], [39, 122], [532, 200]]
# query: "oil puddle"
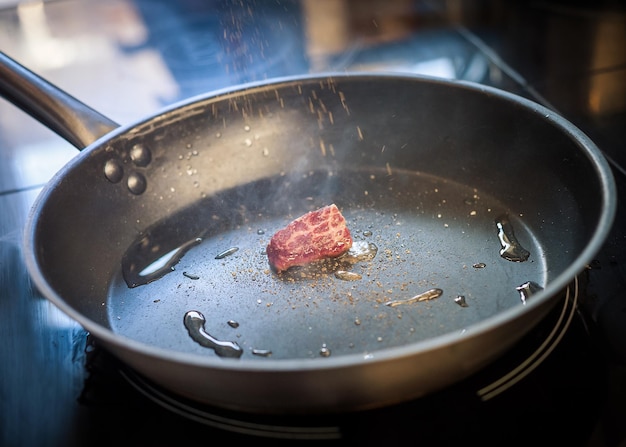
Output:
[[228, 252], [511, 249], [194, 322], [460, 300], [361, 251], [426, 296], [527, 290], [262, 352], [140, 267]]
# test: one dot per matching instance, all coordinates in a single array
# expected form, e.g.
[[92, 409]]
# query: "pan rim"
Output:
[[602, 172]]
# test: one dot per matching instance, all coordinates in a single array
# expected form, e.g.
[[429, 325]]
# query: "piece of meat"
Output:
[[314, 236]]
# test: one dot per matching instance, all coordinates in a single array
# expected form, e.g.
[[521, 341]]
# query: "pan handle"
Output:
[[59, 111]]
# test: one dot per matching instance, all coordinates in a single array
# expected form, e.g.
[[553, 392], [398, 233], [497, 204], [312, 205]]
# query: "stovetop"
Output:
[[564, 383]]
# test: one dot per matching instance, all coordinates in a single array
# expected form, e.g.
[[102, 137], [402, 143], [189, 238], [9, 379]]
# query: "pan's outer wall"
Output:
[[83, 222]]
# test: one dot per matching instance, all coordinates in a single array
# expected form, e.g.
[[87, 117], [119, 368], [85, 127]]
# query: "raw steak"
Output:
[[314, 236]]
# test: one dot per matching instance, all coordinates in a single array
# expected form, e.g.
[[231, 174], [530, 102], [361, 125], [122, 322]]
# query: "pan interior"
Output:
[[418, 231]]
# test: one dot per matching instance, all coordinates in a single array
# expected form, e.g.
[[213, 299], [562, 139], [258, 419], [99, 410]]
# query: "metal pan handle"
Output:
[[59, 111]]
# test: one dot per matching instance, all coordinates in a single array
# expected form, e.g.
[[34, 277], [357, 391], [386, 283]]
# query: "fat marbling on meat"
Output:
[[316, 235]]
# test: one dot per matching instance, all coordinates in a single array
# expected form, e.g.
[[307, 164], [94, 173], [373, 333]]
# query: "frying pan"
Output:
[[471, 210]]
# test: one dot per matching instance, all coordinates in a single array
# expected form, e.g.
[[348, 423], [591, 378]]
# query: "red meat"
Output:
[[312, 237]]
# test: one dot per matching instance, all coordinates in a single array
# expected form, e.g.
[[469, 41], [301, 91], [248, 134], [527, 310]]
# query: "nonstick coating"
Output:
[[428, 233], [424, 169]]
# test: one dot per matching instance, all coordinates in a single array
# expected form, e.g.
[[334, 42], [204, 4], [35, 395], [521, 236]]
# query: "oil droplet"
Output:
[[140, 155], [347, 276], [190, 276], [426, 296], [136, 183], [511, 248], [194, 322], [325, 351], [528, 289], [113, 171], [479, 265], [228, 252], [460, 300], [233, 323], [357, 321], [260, 231], [367, 233], [262, 352], [155, 269]]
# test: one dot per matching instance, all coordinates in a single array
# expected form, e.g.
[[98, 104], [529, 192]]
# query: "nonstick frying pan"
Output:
[[471, 209]]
